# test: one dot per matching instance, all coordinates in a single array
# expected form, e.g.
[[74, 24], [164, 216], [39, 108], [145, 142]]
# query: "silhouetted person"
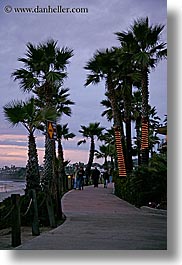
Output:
[[80, 179], [106, 178], [95, 177]]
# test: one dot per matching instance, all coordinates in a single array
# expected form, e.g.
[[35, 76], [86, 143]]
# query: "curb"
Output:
[[153, 210]]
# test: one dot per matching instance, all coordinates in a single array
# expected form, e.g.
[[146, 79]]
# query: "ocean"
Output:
[[8, 187]]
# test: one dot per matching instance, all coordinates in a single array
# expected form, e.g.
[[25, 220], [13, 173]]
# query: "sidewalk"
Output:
[[98, 220]]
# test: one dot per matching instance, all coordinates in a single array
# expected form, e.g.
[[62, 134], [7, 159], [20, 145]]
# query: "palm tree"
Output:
[[90, 132], [103, 66], [106, 151], [27, 114], [154, 125], [103, 153], [44, 69], [109, 142], [123, 95], [60, 176], [128, 75], [143, 42], [136, 117], [108, 111], [60, 100], [62, 133]]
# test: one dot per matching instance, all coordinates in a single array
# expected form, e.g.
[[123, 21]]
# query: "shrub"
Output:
[[145, 183]]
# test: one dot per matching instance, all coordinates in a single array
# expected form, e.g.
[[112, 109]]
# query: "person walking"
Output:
[[106, 178], [95, 177], [80, 178]]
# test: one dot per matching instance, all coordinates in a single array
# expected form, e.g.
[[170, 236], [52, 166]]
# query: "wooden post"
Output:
[[16, 222], [35, 221]]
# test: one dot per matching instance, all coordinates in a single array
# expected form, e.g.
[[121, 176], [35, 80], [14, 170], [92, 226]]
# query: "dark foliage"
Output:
[[26, 215], [145, 184]]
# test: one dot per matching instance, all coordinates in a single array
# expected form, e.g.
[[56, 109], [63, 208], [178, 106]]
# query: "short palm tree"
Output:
[[90, 132], [103, 152], [27, 114], [109, 143], [143, 42]]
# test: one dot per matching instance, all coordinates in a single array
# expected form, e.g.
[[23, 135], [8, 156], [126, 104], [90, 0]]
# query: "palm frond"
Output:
[[81, 142], [13, 112]]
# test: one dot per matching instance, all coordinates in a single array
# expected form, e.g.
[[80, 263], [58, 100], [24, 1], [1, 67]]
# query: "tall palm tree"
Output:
[[128, 75], [90, 132], [103, 67], [143, 42], [27, 114], [44, 69]]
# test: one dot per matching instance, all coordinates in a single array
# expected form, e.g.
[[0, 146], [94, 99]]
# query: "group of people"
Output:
[[79, 177]]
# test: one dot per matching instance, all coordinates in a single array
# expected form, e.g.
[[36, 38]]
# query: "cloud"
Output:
[[85, 33], [10, 154], [9, 139]]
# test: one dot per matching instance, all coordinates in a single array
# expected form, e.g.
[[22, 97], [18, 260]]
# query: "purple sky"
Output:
[[84, 33]]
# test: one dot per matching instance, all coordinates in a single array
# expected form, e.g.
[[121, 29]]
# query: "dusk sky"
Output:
[[84, 33]]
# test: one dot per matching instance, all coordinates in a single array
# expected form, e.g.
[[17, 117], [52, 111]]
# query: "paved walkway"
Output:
[[98, 220]]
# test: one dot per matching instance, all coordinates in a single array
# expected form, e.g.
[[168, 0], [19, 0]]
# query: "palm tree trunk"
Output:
[[119, 139], [32, 168], [127, 105], [105, 162], [112, 162], [48, 176], [47, 179], [145, 117], [138, 125], [61, 167], [60, 178], [129, 161], [91, 157]]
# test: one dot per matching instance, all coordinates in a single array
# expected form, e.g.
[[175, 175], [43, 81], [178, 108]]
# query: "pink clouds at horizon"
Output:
[[17, 155], [13, 150]]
